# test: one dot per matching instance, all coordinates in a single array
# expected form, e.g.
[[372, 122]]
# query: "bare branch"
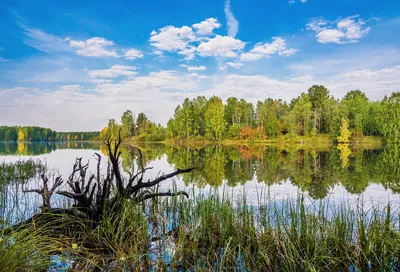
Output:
[[150, 196]]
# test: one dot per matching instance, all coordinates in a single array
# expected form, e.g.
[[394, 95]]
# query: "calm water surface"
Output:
[[341, 174]]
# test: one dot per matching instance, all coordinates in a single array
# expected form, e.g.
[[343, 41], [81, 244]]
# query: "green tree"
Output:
[[319, 95], [127, 124], [141, 123], [389, 118], [214, 118], [355, 107]]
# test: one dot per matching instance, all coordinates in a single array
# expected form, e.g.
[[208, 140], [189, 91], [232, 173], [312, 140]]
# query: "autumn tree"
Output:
[[21, 135], [345, 132]]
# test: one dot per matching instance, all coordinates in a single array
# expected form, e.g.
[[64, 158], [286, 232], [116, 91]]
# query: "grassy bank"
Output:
[[214, 233]]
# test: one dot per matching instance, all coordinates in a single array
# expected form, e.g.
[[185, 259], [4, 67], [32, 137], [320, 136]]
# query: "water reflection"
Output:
[[315, 171], [33, 149]]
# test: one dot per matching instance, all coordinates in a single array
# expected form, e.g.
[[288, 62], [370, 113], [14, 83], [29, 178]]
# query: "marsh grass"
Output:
[[218, 233], [19, 170]]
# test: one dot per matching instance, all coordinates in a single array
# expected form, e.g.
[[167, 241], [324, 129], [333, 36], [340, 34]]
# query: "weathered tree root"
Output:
[[95, 195]]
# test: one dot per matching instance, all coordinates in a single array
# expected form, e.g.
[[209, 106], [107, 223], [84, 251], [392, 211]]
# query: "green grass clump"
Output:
[[214, 233]]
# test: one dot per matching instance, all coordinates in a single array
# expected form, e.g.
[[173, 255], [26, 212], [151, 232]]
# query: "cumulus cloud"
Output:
[[174, 39], [113, 72], [232, 23], [348, 30], [221, 46], [262, 50], [207, 26], [132, 54], [94, 47]]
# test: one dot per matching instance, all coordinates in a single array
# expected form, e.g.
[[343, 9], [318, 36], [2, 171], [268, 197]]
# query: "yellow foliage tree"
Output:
[[21, 148], [21, 136], [103, 133], [345, 153], [345, 132]]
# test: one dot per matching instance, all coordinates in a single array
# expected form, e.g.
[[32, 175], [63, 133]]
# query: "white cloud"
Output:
[[235, 65], [2, 59], [113, 72], [43, 41], [198, 76], [293, 1], [288, 52], [94, 47], [172, 38], [194, 68], [232, 23], [183, 40], [207, 26], [132, 54], [260, 50], [71, 88], [348, 30], [154, 81], [188, 52], [221, 46]]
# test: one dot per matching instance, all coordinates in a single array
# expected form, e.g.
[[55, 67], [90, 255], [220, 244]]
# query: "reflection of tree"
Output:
[[269, 167], [388, 167], [238, 170], [214, 166], [356, 178], [32, 149], [345, 153]]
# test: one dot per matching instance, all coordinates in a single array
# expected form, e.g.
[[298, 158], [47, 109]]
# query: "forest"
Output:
[[39, 134], [314, 112]]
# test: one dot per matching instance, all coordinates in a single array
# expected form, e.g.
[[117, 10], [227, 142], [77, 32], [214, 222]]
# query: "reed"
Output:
[[210, 232]]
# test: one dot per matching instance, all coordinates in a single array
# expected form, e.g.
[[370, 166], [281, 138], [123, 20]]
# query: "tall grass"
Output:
[[218, 233]]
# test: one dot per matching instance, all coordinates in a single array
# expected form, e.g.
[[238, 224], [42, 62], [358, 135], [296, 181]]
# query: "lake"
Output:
[[349, 174]]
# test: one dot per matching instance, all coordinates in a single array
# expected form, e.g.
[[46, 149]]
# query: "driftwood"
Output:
[[94, 194]]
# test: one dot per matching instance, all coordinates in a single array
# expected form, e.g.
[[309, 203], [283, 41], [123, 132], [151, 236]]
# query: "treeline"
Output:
[[39, 134], [307, 115], [140, 128], [312, 113]]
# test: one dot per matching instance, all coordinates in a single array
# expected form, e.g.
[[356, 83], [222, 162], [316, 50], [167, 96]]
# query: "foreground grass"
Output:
[[214, 233]]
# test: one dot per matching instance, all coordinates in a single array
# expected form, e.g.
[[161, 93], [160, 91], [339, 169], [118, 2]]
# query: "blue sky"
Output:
[[72, 65]]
